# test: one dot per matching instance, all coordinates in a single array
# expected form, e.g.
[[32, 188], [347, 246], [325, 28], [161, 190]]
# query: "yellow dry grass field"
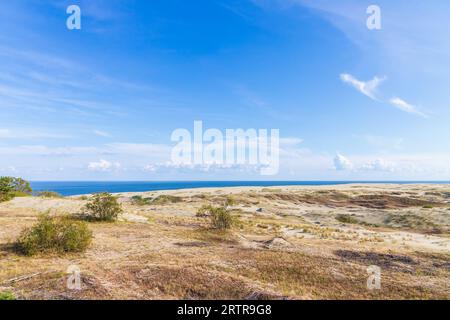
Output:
[[287, 243]]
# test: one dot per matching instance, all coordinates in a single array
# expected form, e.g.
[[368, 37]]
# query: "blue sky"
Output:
[[101, 103]]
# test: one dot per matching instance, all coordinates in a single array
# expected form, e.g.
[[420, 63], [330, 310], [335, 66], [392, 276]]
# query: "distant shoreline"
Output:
[[76, 188]]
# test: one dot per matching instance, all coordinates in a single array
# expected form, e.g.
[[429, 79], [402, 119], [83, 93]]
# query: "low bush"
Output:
[[7, 296], [6, 196], [164, 199], [345, 218], [140, 201], [205, 210], [102, 207], [221, 219], [54, 235], [49, 194]]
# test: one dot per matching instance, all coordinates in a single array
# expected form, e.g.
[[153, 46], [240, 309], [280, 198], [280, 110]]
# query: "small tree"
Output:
[[11, 187], [21, 186], [103, 207], [6, 189]]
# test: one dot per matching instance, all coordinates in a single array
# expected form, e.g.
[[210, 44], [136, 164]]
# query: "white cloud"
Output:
[[368, 88], [151, 168], [405, 106], [29, 134], [380, 165], [292, 141], [9, 169], [102, 133], [341, 163], [41, 150], [171, 167], [103, 165]]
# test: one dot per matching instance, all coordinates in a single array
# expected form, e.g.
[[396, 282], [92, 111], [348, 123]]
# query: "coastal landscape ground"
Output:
[[291, 242]]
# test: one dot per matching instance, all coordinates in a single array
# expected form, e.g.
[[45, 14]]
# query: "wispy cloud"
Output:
[[405, 106], [29, 134], [368, 88], [101, 133], [103, 165], [415, 31]]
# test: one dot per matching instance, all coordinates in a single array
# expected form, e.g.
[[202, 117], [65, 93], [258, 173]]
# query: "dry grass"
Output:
[[290, 250]]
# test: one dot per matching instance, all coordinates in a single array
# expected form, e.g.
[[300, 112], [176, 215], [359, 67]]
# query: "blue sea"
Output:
[[70, 188]]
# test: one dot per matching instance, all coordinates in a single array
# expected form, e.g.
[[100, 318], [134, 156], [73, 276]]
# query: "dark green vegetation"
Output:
[[165, 199], [102, 207], [345, 218], [159, 200], [140, 201], [11, 187]]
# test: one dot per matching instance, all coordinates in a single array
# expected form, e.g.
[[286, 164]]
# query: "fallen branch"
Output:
[[21, 278]]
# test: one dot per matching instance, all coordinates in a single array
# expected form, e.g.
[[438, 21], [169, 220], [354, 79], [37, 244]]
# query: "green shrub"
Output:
[[140, 201], [102, 207], [7, 296], [6, 196], [13, 187], [345, 218], [164, 199], [49, 194], [58, 235], [205, 210], [221, 219]]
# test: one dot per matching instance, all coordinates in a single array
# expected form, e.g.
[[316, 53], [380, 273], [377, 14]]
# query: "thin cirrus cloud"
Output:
[[20, 133], [369, 89], [101, 133], [406, 107]]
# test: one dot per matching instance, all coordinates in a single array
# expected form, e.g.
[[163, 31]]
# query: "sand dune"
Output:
[[296, 242]]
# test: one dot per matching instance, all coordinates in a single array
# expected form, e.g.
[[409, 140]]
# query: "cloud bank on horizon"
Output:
[[101, 103]]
